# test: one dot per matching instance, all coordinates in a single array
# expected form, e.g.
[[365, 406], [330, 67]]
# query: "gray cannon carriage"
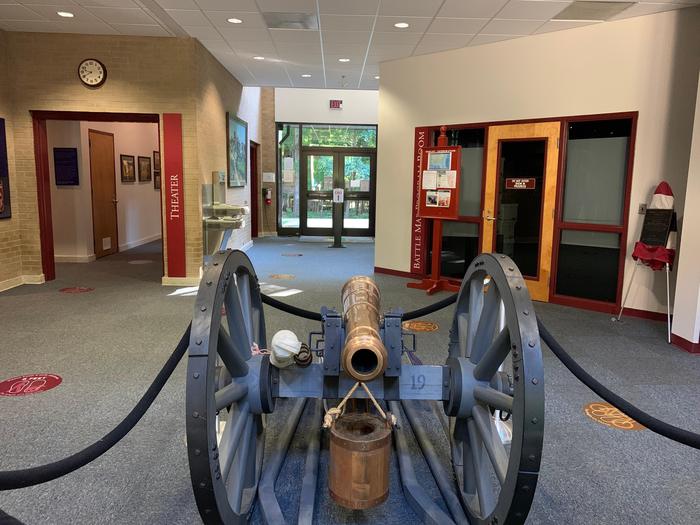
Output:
[[492, 372]]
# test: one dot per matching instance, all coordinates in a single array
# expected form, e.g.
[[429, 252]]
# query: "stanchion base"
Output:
[[432, 286]]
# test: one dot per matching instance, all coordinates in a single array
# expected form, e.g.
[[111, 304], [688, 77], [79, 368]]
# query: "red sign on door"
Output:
[[29, 384], [174, 197], [520, 184]]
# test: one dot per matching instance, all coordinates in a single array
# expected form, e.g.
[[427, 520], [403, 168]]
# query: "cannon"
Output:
[[488, 394]]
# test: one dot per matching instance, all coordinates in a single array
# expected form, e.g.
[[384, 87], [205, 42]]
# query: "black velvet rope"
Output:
[[17, 479], [426, 310], [655, 425]]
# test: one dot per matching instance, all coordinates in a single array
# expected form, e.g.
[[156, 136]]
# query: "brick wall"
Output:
[[10, 249], [145, 75], [268, 156]]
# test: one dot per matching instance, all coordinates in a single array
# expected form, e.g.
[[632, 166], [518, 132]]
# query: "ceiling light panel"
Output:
[[249, 20], [592, 10]]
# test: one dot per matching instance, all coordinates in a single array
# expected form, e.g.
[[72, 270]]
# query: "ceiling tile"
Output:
[[487, 39], [90, 28], [297, 36], [346, 22], [332, 48], [250, 20], [464, 26], [389, 52], [49, 12], [346, 37], [29, 25], [558, 25], [415, 24], [17, 12], [331, 60], [471, 8], [511, 27], [177, 4], [107, 3], [114, 15], [345, 7], [140, 30], [40, 2], [395, 38], [266, 49], [409, 7], [188, 17], [228, 5], [342, 80], [532, 10], [242, 34], [202, 33], [299, 51], [218, 46], [287, 6], [644, 9], [433, 43]]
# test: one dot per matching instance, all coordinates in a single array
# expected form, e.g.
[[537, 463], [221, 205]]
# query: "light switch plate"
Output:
[[642, 209]]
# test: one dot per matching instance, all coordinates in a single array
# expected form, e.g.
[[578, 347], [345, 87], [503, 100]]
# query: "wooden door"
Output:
[[255, 192], [520, 196], [104, 193]]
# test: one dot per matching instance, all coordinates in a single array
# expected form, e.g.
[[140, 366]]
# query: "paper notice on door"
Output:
[[288, 176], [288, 163], [268, 176], [355, 183], [106, 243], [429, 180], [443, 198], [364, 185], [431, 199], [447, 179]]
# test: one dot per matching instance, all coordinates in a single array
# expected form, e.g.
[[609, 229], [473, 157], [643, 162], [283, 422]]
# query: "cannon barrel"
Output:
[[364, 356]]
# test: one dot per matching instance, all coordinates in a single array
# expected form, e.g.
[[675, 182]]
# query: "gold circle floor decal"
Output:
[[608, 415], [419, 326]]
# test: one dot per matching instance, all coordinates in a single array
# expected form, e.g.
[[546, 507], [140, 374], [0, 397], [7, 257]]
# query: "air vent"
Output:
[[291, 20], [592, 10]]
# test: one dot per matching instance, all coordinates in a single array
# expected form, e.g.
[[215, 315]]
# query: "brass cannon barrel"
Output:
[[364, 356]]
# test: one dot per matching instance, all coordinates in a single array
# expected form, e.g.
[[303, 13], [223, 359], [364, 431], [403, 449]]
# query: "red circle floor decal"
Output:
[[76, 289], [29, 384]]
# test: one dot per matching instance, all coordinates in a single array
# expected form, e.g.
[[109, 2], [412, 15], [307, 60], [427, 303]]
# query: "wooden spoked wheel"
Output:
[[227, 394], [495, 365]]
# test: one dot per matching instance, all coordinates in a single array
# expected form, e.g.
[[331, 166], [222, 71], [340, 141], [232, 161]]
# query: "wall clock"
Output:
[[92, 72]]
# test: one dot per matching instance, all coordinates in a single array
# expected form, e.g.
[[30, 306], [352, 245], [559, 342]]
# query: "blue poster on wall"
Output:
[[5, 210], [65, 164]]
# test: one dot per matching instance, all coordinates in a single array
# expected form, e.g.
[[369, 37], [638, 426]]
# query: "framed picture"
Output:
[[65, 166], [237, 151], [128, 168], [156, 161], [5, 210], [144, 169], [156, 180]]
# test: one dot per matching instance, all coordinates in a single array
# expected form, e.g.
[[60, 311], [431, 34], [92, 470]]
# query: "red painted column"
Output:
[[174, 194]]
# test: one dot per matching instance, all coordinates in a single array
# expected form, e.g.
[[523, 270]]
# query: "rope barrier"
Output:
[[662, 428], [17, 479]]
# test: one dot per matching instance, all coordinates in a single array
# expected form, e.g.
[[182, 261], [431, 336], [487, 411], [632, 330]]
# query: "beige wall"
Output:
[[686, 318], [647, 64], [145, 75], [313, 106], [10, 248]]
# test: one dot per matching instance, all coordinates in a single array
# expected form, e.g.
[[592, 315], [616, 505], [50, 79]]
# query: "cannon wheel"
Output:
[[227, 394], [496, 364]]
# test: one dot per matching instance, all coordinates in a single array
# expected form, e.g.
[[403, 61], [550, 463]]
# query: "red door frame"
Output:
[[43, 182], [420, 244], [254, 188]]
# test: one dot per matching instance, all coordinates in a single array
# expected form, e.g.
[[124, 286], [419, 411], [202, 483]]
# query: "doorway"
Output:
[[255, 195], [104, 193], [325, 170]]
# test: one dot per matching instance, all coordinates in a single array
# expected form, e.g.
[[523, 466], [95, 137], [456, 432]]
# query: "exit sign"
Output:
[[336, 104]]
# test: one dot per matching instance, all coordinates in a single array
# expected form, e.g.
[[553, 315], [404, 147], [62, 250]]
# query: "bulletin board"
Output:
[[439, 184]]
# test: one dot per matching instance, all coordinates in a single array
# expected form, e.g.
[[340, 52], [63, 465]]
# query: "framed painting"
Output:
[[5, 209], [156, 161], [237, 151], [156, 180], [144, 169], [128, 168]]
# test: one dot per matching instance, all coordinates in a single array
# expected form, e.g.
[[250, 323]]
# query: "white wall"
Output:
[[647, 64], [313, 106], [686, 318], [138, 210], [71, 206]]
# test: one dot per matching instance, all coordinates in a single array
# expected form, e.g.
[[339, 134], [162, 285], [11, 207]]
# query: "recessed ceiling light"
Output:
[[258, 58], [343, 60], [401, 25], [65, 14], [305, 75], [234, 21], [376, 77]]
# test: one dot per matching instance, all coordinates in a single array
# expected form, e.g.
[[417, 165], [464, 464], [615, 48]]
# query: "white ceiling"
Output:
[[359, 30]]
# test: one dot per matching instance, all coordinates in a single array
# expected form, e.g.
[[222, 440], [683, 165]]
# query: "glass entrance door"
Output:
[[519, 198], [323, 171]]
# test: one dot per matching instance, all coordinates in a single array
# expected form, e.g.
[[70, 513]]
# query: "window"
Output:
[[338, 136]]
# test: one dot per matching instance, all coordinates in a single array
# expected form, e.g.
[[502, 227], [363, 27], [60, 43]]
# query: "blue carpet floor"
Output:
[[108, 345]]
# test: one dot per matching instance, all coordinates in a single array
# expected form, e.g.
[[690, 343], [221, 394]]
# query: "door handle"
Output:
[[489, 217], [115, 201]]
